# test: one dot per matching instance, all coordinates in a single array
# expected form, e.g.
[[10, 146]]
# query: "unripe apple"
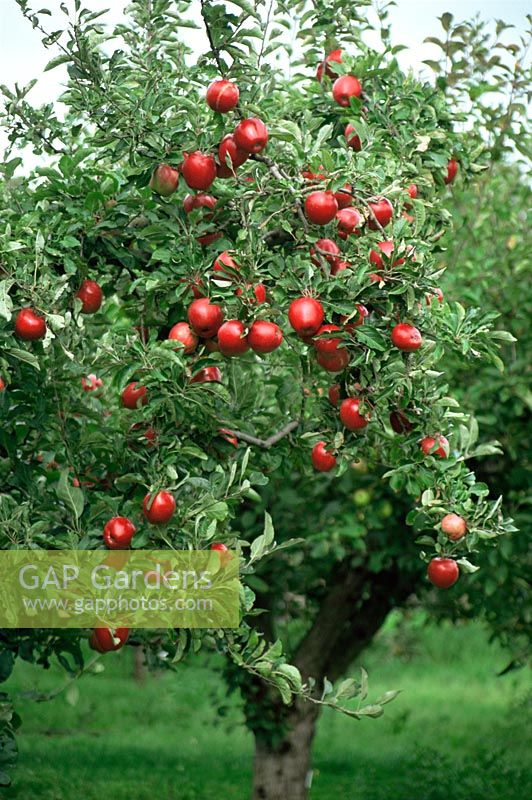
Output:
[[164, 180], [406, 337], [222, 96], [352, 138], [350, 415], [182, 332], [321, 207], [251, 135], [382, 212], [199, 170], [454, 526], [344, 88]]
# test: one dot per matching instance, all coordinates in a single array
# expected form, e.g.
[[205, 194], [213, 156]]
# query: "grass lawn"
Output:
[[457, 732]]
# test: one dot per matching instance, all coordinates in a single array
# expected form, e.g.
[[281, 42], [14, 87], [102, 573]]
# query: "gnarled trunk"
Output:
[[282, 771]]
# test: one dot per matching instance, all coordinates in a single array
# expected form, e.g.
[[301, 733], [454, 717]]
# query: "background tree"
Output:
[[81, 458]]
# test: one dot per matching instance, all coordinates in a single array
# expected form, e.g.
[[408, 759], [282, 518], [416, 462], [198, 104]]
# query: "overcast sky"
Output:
[[22, 57]]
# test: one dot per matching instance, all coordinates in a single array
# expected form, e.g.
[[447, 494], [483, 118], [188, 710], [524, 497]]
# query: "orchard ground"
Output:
[[457, 730]]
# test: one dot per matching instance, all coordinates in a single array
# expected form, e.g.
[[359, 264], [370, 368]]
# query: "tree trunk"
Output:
[[282, 771]]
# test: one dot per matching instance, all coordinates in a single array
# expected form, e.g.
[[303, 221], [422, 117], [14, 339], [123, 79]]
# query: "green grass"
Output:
[[456, 732]]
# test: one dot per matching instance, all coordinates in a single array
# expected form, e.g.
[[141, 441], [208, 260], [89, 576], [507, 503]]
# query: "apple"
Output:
[[344, 197], [182, 332], [333, 362], [164, 180], [344, 88], [387, 248], [352, 138], [118, 533], [3, 385], [334, 56], [339, 266], [91, 383], [207, 375], [208, 238], [225, 263], [91, 297], [406, 337], [443, 572], [322, 460], [251, 135], [327, 344], [400, 422], [351, 323], [205, 317], [232, 339], [264, 337], [134, 395], [305, 315], [222, 96], [328, 249], [160, 508], [452, 169], [454, 526], [199, 170], [230, 155], [229, 436], [349, 219], [320, 175], [428, 443], [321, 207], [259, 293], [435, 293], [105, 640], [350, 414], [380, 210], [334, 394], [199, 200], [29, 325]]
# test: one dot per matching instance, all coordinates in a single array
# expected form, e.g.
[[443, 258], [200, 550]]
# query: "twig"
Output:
[[214, 49], [270, 441]]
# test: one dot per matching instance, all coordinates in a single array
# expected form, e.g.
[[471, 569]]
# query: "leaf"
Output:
[[24, 355], [261, 543], [6, 304], [446, 21], [6, 664], [56, 62], [71, 495]]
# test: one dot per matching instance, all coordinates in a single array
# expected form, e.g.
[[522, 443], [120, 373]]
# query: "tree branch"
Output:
[[270, 441]]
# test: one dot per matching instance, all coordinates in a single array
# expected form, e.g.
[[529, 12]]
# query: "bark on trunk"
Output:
[[283, 771]]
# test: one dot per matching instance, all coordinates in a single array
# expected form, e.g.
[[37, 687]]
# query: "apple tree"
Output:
[[222, 327]]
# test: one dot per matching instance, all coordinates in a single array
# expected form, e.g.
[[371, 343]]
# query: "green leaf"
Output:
[[71, 495]]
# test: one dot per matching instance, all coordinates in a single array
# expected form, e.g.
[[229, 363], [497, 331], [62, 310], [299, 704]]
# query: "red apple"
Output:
[[222, 96], [344, 88], [350, 414], [400, 422], [352, 138], [199, 170], [327, 344], [436, 293], [199, 200], [182, 332], [333, 362], [382, 211], [230, 154], [429, 442], [205, 317], [452, 169], [118, 533], [232, 340], [443, 572], [160, 508], [454, 526], [349, 220], [334, 56], [344, 197], [328, 249], [321, 207], [134, 395], [251, 135], [322, 460], [106, 640], [29, 325], [91, 297], [207, 375], [406, 337], [264, 337], [164, 180], [305, 315]]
